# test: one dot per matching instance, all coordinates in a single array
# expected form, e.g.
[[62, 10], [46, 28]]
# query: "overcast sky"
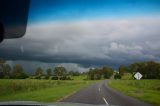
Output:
[[81, 34]]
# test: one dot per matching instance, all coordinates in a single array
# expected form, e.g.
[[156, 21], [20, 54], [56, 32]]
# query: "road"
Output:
[[100, 93]]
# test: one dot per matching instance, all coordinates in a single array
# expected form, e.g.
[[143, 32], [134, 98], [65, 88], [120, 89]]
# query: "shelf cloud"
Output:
[[87, 42]]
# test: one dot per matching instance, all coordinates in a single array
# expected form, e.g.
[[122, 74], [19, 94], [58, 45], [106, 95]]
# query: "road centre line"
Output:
[[105, 101], [99, 89]]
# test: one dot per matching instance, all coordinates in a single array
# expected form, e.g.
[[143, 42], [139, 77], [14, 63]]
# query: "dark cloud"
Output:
[[31, 66], [88, 43]]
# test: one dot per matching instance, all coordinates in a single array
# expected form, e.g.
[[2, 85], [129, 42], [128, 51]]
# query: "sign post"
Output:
[[138, 76]]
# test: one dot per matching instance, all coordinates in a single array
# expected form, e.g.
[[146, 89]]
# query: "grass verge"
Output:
[[38, 90], [145, 90]]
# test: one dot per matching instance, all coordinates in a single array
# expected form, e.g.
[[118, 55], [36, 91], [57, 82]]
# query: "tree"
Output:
[[90, 75], [122, 70], [107, 72], [49, 72], [117, 76], [74, 73], [158, 72], [97, 74], [149, 69], [94, 74], [18, 72], [152, 70], [60, 72], [7, 71], [39, 72], [2, 63]]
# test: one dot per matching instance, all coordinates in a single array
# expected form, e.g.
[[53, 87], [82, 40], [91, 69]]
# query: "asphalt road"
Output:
[[100, 93]]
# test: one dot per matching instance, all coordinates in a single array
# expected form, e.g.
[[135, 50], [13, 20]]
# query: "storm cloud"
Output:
[[87, 42]]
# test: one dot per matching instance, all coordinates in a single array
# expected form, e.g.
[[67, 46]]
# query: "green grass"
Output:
[[145, 90], [79, 78], [127, 76], [38, 90]]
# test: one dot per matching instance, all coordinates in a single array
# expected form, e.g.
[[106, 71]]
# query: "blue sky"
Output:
[[64, 10]]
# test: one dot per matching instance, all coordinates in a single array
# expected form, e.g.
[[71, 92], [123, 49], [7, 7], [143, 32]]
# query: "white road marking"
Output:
[[99, 89], [105, 101]]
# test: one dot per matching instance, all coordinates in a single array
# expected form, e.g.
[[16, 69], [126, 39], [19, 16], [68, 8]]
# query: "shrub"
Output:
[[117, 76], [54, 78]]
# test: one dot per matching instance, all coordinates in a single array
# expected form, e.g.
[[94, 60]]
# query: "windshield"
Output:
[[97, 52]]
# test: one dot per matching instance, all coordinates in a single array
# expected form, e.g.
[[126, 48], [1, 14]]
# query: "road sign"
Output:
[[138, 76]]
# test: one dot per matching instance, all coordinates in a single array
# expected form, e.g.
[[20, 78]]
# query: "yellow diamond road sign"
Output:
[[138, 76]]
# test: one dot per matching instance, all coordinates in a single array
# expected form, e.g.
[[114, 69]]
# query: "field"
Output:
[[39, 90], [145, 90], [79, 78]]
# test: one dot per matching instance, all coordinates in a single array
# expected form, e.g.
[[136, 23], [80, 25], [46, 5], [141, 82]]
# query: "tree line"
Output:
[[58, 73], [100, 73], [149, 69], [6, 71], [17, 72]]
